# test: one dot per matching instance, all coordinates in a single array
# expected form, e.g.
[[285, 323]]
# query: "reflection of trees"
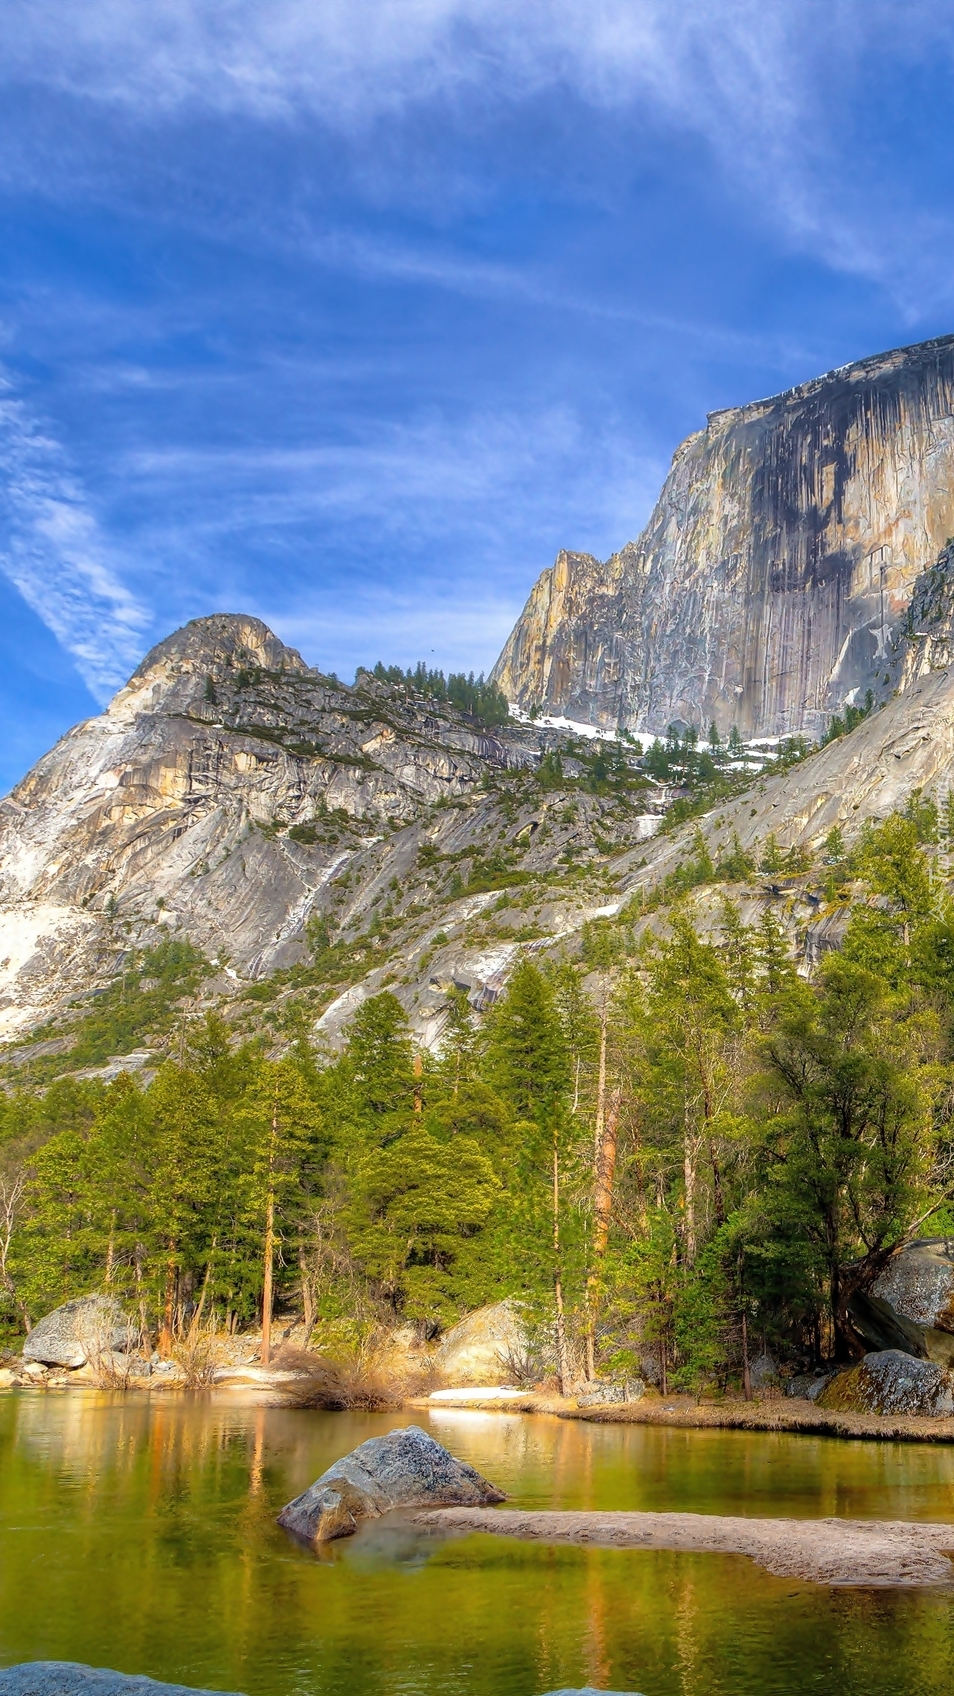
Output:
[[140, 1533]]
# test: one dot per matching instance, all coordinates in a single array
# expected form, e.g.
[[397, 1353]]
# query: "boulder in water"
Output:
[[81, 1330], [73, 1678], [405, 1469], [891, 1382]]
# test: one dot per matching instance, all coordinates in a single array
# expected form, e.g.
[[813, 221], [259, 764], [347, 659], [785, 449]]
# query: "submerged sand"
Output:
[[826, 1551]]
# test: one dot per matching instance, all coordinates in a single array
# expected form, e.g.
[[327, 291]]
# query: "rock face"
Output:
[[405, 1469], [72, 1678], [780, 558], [81, 1330], [891, 1382], [228, 793], [485, 1347]]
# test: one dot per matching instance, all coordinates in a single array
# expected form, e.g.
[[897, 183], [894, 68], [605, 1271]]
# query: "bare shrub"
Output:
[[111, 1370], [195, 1356], [355, 1377], [523, 1368], [292, 1357]]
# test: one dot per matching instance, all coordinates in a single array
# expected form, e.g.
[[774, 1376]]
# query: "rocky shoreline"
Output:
[[776, 1413]]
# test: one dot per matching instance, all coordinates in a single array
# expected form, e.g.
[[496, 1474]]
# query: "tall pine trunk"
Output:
[[604, 1177], [168, 1306], [269, 1247], [563, 1365]]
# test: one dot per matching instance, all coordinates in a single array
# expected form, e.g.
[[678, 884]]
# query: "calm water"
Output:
[[141, 1535]]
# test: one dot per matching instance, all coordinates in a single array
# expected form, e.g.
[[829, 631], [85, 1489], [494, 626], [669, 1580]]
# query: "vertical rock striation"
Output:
[[775, 569]]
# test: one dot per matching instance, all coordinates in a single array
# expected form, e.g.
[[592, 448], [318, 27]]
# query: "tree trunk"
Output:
[[718, 1194], [267, 1279], [268, 1269], [168, 1306], [563, 1367], [604, 1177], [600, 1096], [140, 1296], [11, 1196], [689, 1180], [110, 1250], [746, 1374], [307, 1299]]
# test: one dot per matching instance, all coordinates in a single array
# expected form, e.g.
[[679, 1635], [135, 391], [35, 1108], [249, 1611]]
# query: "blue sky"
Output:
[[350, 313]]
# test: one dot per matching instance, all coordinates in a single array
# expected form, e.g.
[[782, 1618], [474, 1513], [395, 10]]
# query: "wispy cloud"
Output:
[[427, 477], [765, 83], [409, 538], [52, 550]]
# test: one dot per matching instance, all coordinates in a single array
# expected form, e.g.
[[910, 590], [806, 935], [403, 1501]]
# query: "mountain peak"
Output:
[[220, 642], [189, 664]]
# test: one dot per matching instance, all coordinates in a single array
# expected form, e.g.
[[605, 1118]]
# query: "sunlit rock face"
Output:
[[175, 810], [775, 571]]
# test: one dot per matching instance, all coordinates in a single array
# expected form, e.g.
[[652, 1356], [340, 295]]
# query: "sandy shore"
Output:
[[826, 1551], [775, 1413]]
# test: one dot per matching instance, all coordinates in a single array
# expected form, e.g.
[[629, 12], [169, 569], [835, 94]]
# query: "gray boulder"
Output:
[[72, 1678], [809, 1384], [405, 1469], [81, 1330], [883, 1327], [763, 1372], [486, 1347], [919, 1283], [891, 1382], [604, 1395]]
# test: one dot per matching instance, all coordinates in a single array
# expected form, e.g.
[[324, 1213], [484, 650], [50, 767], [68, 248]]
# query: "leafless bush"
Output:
[[111, 1370], [356, 1378], [194, 1354], [523, 1368]]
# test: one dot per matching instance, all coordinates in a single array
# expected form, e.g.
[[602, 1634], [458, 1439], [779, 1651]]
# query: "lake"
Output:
[[139, 1534]]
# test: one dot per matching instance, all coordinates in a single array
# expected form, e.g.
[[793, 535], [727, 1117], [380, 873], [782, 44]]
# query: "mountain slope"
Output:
[[229, 795], [777, 562]]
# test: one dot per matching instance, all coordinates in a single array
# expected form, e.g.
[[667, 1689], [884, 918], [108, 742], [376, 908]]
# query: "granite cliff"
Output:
[[775, 571], [231, 796], [318, 843]]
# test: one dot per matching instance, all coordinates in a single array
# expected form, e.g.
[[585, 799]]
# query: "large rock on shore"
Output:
[[891, 1382], [81, 1330], [405, 1469], [72, 1678], [919, 1283], [884, 1327], [486, 1347]]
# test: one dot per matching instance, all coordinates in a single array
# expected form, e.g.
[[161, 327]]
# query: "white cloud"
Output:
[[765, 83], [51, 549]]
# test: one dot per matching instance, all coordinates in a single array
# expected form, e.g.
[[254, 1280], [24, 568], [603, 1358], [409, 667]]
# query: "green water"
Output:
[[140, 1534]]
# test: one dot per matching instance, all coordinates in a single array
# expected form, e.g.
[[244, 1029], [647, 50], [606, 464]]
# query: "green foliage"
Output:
[[843, 725], [480, 699], [414, 1207], [141, 1003], [774, 1137]]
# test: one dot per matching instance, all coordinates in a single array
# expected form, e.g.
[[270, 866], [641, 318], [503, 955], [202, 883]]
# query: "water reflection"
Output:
[[140, 1534]]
